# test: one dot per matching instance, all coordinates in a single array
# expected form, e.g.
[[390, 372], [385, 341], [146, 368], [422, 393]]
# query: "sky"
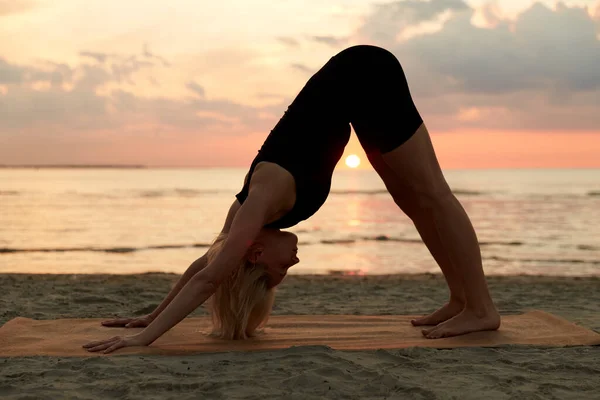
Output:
[[188, 83]]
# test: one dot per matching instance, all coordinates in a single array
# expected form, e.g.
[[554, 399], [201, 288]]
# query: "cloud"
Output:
[[535, 71], [75, 100], [148, 54], [530, 72], [389, 20], [596, 12], [8, 7], [531, 53], [120, 67], [268, 96], [9, 73], [330, 40], [302, 68], [491, 14], [290, 42], [98, 57], [194, 87]]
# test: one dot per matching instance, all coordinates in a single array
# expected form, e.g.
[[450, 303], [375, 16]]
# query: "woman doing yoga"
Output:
[[364, 86]]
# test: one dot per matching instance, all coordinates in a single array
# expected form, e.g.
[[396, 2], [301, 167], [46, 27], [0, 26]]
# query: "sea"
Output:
[[137, 220]]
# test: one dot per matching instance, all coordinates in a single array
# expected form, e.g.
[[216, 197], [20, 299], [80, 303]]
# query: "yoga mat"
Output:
[[64, 337]]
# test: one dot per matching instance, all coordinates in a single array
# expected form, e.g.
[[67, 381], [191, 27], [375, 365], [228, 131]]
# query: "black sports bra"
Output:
[[310, 153]]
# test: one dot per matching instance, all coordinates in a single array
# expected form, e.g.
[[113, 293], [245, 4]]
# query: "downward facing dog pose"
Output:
[[364, 86]]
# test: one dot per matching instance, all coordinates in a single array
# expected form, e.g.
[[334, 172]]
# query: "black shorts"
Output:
[[363, 86], [366, 87]]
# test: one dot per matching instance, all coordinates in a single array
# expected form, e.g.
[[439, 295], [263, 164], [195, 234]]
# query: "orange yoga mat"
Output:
[[64, 337]]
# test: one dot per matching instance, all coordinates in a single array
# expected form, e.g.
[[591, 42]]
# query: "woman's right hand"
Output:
[[139, 322]]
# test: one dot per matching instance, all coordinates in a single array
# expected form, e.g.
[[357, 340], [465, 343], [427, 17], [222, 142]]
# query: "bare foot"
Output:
[[465, 322], [446, 312]]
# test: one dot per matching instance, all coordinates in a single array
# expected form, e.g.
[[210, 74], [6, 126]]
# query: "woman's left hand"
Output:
[[112, 344]]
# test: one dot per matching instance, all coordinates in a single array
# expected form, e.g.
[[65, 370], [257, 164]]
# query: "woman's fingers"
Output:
[[117, 342], [127, 322], [116, 322], [101, 347], [115, 346], [97, 342], [136, 323], [98, 345]]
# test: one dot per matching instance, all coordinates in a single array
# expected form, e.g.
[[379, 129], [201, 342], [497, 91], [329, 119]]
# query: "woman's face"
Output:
[[277, 250]]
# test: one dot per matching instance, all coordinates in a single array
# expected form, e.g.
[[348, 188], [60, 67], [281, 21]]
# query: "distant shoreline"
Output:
[[75, 166], [113, 166]]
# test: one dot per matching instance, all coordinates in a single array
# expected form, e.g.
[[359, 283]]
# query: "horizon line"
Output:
[[141, 166]]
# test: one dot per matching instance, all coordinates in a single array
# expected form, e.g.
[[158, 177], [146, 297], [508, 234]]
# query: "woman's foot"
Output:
[[447, 311], [465, 322]]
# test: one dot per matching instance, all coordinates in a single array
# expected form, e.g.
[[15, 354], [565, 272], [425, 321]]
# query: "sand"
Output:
[[311, 372]]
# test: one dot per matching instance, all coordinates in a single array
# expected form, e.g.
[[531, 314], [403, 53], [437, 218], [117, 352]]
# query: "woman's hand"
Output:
[[140, 322], [112, 344]]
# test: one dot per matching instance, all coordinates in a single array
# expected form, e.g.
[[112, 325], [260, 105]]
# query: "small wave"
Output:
[[69, 249], [385, 238], [587, 247], [152, 193], [384, 191], [149, 193], [165, 247], [353, 272], [95, 195], [338, 241], [382, 238], [467, 192], [334, 241], [409, 240], [103, 250], [10, 250], [179, 192], [549, 261], [125, 249], [195, 192], [120, 250], [201, 245], [561, 196], [344, 192], [516, 243], [316, 229]]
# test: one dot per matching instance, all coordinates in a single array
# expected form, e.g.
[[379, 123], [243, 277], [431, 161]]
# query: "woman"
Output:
[[364, 86]]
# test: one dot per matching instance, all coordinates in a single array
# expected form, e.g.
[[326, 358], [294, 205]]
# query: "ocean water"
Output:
[[121, 221]]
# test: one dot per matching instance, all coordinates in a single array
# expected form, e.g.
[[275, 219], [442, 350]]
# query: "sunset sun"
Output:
[[352, 161]]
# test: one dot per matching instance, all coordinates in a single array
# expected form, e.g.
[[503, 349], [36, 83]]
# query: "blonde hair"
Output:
[[242, 303]]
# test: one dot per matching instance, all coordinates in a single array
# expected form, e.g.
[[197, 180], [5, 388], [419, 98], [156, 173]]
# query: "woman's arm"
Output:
[[246, 225], [192, 270], [196, 266]]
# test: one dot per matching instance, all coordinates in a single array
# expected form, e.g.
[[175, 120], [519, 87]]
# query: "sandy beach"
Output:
[[311, 372]]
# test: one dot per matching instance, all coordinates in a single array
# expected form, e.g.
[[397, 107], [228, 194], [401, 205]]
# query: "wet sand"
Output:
[[312, 372]]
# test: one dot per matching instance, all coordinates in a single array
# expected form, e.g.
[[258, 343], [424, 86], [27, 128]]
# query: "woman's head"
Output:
[[243, 302], [277, 251]]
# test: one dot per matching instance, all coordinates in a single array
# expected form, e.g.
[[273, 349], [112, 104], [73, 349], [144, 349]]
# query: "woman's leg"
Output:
[[392, 132], [431, 238], [417, 184]]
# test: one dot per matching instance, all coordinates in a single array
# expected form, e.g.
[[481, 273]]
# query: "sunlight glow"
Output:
[[352, 161]]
